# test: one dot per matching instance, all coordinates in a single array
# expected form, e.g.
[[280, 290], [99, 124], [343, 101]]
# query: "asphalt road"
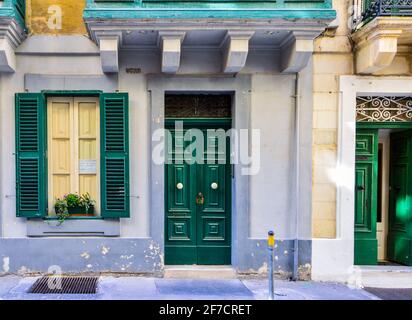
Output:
[[391, 294]]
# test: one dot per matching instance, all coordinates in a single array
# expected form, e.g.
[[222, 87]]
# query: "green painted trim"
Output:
[[75, 218], [211, 9], [227, 122], [72, 93], [383, 125], [223, 13], [174, 3]]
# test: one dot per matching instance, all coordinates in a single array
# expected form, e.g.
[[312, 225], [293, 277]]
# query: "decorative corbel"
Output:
[[170, 43], [296, 51], [236, 46], [109, 51]]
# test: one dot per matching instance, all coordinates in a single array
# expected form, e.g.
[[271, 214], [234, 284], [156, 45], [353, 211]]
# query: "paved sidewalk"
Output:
[[142, 288]]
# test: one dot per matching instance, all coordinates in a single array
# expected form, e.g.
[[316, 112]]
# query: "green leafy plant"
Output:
[[72, 199], [86, 201], [61, 209], [70, 203]]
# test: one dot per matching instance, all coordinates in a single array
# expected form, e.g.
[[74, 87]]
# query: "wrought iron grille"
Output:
[[384, 109], [376, 8], [198, 106]]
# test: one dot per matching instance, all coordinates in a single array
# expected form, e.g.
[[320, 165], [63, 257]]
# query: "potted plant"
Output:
[[75, 205], [61, 209], [87, 203]]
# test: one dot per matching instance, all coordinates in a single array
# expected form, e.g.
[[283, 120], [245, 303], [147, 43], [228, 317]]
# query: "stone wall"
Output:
[[332, 58]]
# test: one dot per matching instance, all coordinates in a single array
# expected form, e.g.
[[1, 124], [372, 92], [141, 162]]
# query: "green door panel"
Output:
[[197, 233], [180, 221], [366, 243], [213, 225], [400, 206]]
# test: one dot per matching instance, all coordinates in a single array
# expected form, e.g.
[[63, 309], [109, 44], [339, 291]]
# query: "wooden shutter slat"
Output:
[[114, 155], [30, 155]]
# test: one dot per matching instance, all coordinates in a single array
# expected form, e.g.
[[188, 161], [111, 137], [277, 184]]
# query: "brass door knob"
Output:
[[200, 199]]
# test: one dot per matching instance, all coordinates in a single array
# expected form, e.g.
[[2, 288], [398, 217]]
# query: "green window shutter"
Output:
[[30, 155], [114, 110]]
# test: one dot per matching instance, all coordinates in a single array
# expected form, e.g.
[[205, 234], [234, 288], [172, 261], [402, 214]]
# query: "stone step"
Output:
[[199, 272], [385, 276]]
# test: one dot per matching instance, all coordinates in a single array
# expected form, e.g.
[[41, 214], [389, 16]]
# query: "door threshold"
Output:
[[385, 268], [199, 272]]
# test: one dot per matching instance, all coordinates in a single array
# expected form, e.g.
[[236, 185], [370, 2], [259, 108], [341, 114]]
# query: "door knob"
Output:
[[214, 186], [179, 186], [360, 188], [200, 199]]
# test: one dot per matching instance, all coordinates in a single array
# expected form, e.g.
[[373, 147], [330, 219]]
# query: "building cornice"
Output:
[[12, 35]]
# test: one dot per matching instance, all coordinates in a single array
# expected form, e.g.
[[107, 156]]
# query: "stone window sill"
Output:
[[74, 227]]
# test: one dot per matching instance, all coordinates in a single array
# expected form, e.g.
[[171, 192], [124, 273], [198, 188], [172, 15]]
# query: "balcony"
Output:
[[383, 30], [13, 9], [12, 31], [209, 9], [232, 26], [381, 8]]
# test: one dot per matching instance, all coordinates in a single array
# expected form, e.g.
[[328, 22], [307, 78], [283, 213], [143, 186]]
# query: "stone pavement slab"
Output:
[[223, 289], [145, 288], [307, 290]]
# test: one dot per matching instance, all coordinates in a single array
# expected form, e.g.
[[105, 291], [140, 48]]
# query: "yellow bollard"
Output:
[[271, 246]]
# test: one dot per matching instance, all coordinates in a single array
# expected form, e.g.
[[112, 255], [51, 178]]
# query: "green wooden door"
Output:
[[198, 200], [366, 243], [400, 203]]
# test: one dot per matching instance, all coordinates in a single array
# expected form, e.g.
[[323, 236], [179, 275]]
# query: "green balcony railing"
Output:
[[209, 9], [377, 8], [14, 9]]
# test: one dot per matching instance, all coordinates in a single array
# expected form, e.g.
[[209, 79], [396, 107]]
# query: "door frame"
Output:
[[377, 126], [244, 240], [200, 123], [333, 259], [240, 89]]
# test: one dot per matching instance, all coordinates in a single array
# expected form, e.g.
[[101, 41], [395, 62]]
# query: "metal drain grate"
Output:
[[64, 285]]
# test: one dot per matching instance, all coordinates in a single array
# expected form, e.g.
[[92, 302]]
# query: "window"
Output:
[[72, 144]]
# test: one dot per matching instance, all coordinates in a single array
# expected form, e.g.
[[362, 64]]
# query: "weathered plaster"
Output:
[[72, 255], [41, 17]]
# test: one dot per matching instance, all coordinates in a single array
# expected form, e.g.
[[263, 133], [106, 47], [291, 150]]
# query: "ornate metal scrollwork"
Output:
[[384, 109], [376, 8], [198, 106]]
